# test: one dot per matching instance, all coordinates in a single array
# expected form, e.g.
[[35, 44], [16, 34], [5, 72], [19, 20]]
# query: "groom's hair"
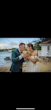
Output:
[[21, 44]]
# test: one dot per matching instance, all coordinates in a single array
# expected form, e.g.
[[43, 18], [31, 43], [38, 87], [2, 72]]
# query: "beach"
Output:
[[5, 69], [43, 66]]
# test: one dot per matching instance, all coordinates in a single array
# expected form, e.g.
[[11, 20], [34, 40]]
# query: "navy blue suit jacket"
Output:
[[16, 62]]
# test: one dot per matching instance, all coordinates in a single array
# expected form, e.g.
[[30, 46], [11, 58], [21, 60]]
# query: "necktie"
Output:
[[20, 53]]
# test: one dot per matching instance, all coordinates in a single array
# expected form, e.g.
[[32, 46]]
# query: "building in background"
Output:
[[45, 49]]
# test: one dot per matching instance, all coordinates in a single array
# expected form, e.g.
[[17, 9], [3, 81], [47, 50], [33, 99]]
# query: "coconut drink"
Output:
[[24, 52]]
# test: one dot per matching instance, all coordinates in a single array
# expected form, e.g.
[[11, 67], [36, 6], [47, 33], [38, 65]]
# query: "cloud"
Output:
[[13, 43], [3, 46], [9, 45], [21, 41]]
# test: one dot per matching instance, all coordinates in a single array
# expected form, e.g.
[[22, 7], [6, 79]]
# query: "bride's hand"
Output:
[[26, 55], [29, 57]]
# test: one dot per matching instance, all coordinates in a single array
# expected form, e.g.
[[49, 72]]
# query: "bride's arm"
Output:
[[33, 60]]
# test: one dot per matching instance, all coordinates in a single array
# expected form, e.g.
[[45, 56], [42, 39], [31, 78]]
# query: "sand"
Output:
[[43, 66], [5, 69]]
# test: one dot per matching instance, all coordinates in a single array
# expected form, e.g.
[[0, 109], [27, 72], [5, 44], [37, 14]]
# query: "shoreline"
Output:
[[4, 66], [5, 51]]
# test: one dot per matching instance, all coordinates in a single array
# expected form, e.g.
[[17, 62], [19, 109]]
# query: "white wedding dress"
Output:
[[32, 67]]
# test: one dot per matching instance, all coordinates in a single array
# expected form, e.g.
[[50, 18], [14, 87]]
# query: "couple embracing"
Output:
[[18, 58]]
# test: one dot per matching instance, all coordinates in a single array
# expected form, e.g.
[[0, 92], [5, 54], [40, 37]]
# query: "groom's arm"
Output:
[[14, 58], [20, 57]]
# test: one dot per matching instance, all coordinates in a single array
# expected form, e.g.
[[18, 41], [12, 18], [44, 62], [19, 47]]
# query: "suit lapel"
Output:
[[18, 51]]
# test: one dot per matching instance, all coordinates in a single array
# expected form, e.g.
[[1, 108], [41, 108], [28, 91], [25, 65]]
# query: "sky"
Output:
[[8, 43]]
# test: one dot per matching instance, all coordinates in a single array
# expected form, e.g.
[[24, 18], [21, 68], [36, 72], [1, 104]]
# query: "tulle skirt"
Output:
[[31, 67]]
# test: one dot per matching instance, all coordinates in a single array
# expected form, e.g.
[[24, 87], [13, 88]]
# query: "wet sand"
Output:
[[43, 66]]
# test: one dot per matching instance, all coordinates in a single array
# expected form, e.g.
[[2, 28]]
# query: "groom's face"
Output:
[[22, 48]]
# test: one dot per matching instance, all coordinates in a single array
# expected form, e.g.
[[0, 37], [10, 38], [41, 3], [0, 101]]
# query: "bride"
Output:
[[32, 59]]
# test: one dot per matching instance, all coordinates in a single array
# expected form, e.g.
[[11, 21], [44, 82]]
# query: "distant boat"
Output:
[[9, 51]]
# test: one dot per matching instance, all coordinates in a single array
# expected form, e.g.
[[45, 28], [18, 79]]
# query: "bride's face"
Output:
[[28, 48]]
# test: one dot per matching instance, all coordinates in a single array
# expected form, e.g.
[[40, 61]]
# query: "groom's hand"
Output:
[[23, 55]]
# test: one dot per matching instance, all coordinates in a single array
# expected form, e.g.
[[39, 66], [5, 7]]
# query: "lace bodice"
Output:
[[34, 57]]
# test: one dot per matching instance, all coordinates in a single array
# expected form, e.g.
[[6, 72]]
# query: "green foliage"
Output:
[[6, 49], [25, 49], [43, 58], [36, 43], [2, 50], [49, 57], [44, 39], [13, 49]]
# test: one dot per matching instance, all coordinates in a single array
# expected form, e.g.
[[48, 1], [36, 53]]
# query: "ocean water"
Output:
[[3, 62]]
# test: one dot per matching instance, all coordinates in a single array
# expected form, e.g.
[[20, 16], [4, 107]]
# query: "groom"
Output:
[[17, 58]]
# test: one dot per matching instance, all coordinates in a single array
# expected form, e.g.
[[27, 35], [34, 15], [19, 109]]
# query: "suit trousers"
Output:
[[19, 71]]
